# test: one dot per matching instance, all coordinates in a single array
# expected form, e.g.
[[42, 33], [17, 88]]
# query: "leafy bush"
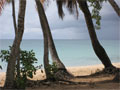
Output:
[[96, 7], [27, 68], [5, 55], [52, 69]]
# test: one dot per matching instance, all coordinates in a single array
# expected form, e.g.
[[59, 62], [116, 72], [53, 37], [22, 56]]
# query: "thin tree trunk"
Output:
[[15, 29], [18, 64], [98, 49], [14, 16], [44, 27], [115, 6], [10, 75]]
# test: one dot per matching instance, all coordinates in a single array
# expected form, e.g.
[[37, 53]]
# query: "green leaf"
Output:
[[30, 74]]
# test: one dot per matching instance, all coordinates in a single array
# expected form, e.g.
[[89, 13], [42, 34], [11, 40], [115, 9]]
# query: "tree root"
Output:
[[49, 83], [109, 70], [71, 82], [63, 74], [117, 77]]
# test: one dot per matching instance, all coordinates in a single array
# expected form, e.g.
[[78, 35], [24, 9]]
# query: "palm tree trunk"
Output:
[[18, 64], [15, 29], [44, 27], [115, 6], [51, 44], [9, 83], [62, 72], [98, 49], [14, 17], [53, 52]]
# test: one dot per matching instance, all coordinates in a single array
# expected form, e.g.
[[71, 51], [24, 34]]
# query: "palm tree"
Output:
[[98, 49], [2, 3], [14, 17], [48, 36], [43, 23], [10, 75], [15, 29], [52, 48]]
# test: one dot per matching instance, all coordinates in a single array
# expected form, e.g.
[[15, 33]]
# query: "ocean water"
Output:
[[71, 52]]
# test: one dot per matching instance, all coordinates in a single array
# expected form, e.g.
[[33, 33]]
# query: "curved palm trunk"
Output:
[[53, 52], [44, 27], [51, 44], [99, 50], [115, 6], [62, 72], [9, 83]]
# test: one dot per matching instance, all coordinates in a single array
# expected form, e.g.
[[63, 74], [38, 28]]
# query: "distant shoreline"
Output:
[[61, 39]]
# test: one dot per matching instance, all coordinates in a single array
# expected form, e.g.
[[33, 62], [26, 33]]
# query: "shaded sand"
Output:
[[78, 71]]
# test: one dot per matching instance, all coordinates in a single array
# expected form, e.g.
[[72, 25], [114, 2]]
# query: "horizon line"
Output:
[[60, 39]]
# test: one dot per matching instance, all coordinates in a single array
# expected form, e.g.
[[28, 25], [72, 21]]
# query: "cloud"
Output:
[[69, 33], [69, 28]]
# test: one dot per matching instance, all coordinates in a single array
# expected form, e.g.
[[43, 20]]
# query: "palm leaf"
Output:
[[70, 4], [2, 4]]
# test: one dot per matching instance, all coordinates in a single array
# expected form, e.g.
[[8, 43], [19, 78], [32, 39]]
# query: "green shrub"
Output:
[[27, 68], [52, 69]]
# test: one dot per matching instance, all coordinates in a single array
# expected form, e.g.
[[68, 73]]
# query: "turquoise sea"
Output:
[[71, 52]]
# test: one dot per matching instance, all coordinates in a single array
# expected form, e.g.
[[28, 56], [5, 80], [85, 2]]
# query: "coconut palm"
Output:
[[15, 29], [48, 36], [2, 3], [14, 16], [42, 21], [98, 49], [10, 74], [52, 47]]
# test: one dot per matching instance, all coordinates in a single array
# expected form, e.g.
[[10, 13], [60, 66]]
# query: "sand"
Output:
[[76, 71]]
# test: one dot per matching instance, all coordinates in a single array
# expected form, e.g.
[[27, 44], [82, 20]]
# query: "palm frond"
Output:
[[60, 8], [2, 4], [71, 5]]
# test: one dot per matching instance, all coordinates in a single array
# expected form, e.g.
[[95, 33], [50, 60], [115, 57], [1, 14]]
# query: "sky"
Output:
[[68, 28]]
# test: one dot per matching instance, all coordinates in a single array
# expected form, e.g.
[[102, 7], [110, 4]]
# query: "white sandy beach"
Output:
[[76, 71]]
